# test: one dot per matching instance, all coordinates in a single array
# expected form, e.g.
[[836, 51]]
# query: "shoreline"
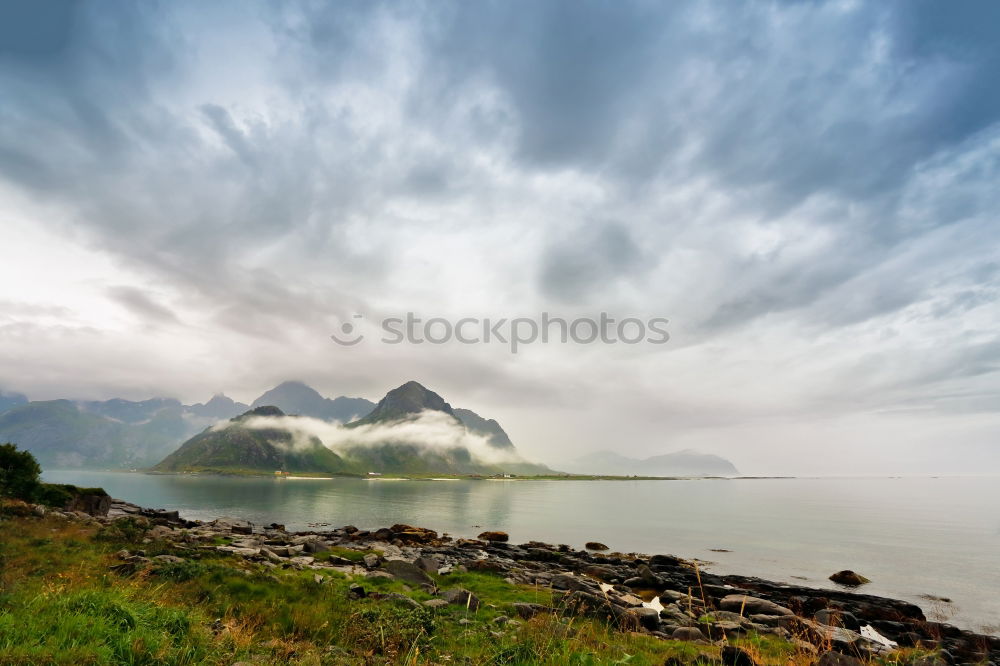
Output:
[[618, 585]]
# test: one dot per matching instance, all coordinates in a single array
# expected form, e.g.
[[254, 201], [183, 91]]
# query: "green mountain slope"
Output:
[[236, 447]]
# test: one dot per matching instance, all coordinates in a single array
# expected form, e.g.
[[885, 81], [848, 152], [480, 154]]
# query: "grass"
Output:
[[60, 604]]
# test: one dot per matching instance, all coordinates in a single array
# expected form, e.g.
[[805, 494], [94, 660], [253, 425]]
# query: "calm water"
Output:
[[938, 536]]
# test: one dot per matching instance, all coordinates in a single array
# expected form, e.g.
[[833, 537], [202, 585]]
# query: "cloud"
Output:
[[429, 429], [806, 190]]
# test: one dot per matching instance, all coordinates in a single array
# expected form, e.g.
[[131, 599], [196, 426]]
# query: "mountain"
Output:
[[495, 435], [62, 433], [405, 401], [301, 399], [242, 445], [127, 411], [219, 407], [10, 400], [680, 463], [235, 447]]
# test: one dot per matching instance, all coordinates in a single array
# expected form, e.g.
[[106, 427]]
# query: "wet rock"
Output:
[[595, 545], [752, 605], [494, 536], [736, 656], [459, 596], [848, 578]]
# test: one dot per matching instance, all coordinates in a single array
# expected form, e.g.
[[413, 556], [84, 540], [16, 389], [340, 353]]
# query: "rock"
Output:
[[169, 559], [736, 656], [688, 634], [243, 552], [595, 545], [409, 572], [648, 577], [234, 525], [833, 658], [400, 598], [319, 580], [527, 611], [410, 534], [371, 560], [494, 536], [355, 591], [428, 564], [435, 603], [741, 603], [459, 596], [92, 504], [646, 617], [849, 578], [834, 617], [465, 621]]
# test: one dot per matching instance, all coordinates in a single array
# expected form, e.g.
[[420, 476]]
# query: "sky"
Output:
[[194, 196]]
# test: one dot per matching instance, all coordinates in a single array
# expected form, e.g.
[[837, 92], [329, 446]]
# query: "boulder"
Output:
[[459, 596], [435, 603], [688, 634], [234, 525], [527, 611], [647, 618], [595, 545], [409, 572], [741, 603], [494, 536], [736, 656], [834, 617], [371, 560], [428, 564], [92, 504], [848, 578]]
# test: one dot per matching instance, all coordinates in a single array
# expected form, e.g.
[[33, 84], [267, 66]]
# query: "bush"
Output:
[[19, 472], [53, 494]]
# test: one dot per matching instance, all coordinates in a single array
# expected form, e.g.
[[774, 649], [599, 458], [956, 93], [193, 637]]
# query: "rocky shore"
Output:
[[659, 595]]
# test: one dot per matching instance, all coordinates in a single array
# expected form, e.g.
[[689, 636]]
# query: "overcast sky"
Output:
[[194, 196]]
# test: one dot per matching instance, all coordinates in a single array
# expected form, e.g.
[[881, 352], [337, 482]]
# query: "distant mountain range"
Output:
[[125, 434], [244, 444], [681, 463]]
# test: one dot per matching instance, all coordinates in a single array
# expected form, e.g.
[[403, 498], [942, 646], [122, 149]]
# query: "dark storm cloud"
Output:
[[804, 166]]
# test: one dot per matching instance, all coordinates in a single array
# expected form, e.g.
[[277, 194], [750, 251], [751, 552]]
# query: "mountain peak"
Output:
[[410, 398], [263, 410]]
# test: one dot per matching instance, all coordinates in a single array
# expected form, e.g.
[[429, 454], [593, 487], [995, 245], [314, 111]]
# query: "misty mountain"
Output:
[[220, 407], [60, 433], [242, 445], [407, 400], [120, 433], [235, 448], [680, 463], [303, 400], [488, 427], [9, 400]]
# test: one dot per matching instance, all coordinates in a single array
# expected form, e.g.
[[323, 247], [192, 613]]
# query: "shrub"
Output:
[[53, 494], [19, 472]]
